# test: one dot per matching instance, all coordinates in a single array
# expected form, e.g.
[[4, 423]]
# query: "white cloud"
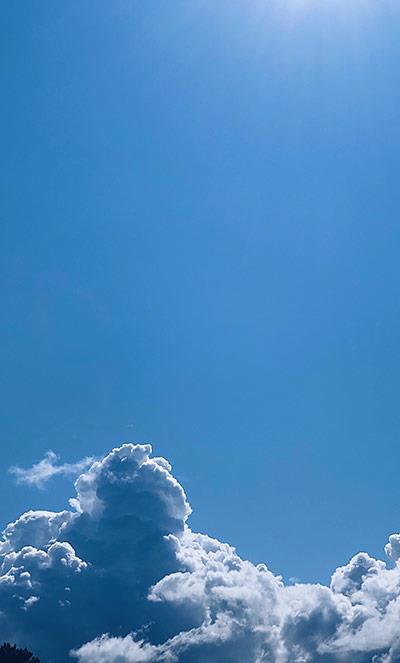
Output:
[[47, 468], [121, 578], [126, 649]]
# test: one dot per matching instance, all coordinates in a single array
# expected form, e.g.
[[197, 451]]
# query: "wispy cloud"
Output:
[[47, 468]]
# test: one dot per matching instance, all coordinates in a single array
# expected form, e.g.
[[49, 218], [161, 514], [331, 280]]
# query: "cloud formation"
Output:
[[47, 468], [121, 578]]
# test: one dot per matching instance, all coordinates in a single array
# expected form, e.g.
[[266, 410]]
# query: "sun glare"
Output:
[[294, 10]]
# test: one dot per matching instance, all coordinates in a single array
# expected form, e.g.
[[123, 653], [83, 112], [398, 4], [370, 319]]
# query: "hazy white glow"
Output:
[[336, 10]]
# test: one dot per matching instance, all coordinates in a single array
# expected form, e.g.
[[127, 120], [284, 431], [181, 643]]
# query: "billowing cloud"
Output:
[[47, 468], [121, 578]]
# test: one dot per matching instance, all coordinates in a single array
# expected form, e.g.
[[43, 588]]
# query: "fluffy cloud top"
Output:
[[121, 578]]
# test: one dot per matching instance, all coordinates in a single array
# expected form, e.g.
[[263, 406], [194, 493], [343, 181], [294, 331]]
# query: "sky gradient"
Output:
[[200, 246]]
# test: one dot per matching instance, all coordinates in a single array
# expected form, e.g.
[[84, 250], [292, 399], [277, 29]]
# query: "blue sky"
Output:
[[199, 246]]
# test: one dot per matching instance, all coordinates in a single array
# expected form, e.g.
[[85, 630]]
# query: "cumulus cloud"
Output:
[[47, 468], [121, 578]]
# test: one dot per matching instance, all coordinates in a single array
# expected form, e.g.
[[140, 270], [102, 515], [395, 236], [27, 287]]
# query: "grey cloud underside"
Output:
[[121, 578]]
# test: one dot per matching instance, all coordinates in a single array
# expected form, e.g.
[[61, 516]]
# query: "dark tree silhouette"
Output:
[[10, 654]]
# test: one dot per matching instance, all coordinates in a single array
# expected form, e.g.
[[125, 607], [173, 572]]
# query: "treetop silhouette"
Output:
[[11, 654]]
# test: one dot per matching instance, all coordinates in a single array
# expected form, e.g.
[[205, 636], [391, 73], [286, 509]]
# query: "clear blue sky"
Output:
[[200, 249]]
